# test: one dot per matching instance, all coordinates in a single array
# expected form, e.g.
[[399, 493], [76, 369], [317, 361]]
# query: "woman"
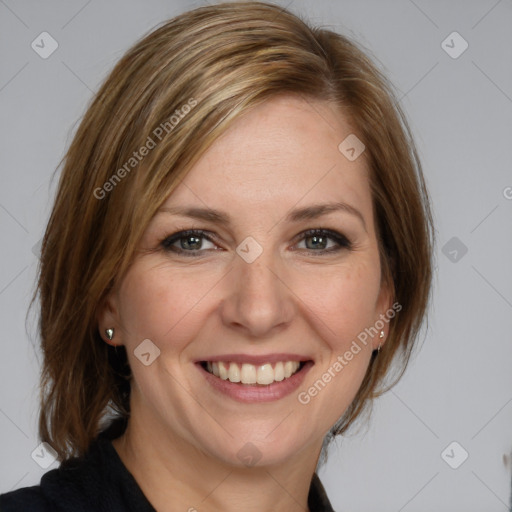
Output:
[[238, 261]]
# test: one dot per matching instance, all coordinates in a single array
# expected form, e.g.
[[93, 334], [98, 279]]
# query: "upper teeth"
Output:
[[251, 374]]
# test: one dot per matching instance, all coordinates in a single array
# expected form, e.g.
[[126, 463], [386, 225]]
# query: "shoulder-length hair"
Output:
[[174, 93]]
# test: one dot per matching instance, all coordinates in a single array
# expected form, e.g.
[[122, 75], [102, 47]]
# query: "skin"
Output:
[[183, 436]]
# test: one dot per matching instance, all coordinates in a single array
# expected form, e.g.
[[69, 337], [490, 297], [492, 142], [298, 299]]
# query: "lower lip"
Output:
[[249, 393]]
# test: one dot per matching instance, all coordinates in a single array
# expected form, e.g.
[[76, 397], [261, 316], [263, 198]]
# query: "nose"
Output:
[[258, 301]]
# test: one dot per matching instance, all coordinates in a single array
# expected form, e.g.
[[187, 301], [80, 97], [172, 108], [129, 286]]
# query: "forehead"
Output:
[[282, 153]]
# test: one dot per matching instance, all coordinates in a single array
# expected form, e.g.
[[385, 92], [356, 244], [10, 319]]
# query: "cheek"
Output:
[[342, 305], [163, 304], [151, 303], [343, 300]]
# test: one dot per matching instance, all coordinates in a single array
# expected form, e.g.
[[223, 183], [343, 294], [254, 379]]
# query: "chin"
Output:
[[257, 450]]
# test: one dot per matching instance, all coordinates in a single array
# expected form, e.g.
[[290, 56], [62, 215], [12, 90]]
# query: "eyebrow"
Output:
[[297, 215]]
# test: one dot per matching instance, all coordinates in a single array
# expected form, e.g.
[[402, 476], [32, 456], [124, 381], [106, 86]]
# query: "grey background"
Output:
[[459, 388]]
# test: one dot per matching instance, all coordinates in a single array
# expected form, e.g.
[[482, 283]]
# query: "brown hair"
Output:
[[219, 60]]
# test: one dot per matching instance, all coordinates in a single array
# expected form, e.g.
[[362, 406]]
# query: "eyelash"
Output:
[[341, 240]]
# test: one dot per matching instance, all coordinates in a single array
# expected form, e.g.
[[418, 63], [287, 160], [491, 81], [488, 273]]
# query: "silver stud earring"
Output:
[[109, 333], [381, 335]]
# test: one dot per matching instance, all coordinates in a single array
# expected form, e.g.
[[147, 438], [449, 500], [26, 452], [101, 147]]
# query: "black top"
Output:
[[101, 482]]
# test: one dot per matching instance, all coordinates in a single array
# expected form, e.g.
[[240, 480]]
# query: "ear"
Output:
[[384, 304], [108, 318]]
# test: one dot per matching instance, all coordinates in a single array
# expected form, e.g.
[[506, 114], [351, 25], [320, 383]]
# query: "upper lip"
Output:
[[255, 360]]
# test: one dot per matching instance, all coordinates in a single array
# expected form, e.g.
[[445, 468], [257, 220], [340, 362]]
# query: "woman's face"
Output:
[[255, 290]]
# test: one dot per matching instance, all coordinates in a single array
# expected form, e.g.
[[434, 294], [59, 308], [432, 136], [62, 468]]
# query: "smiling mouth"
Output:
[[249, 374]]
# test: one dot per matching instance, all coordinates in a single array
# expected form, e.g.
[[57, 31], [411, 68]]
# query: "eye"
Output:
[[187, 242], [324, 241]]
